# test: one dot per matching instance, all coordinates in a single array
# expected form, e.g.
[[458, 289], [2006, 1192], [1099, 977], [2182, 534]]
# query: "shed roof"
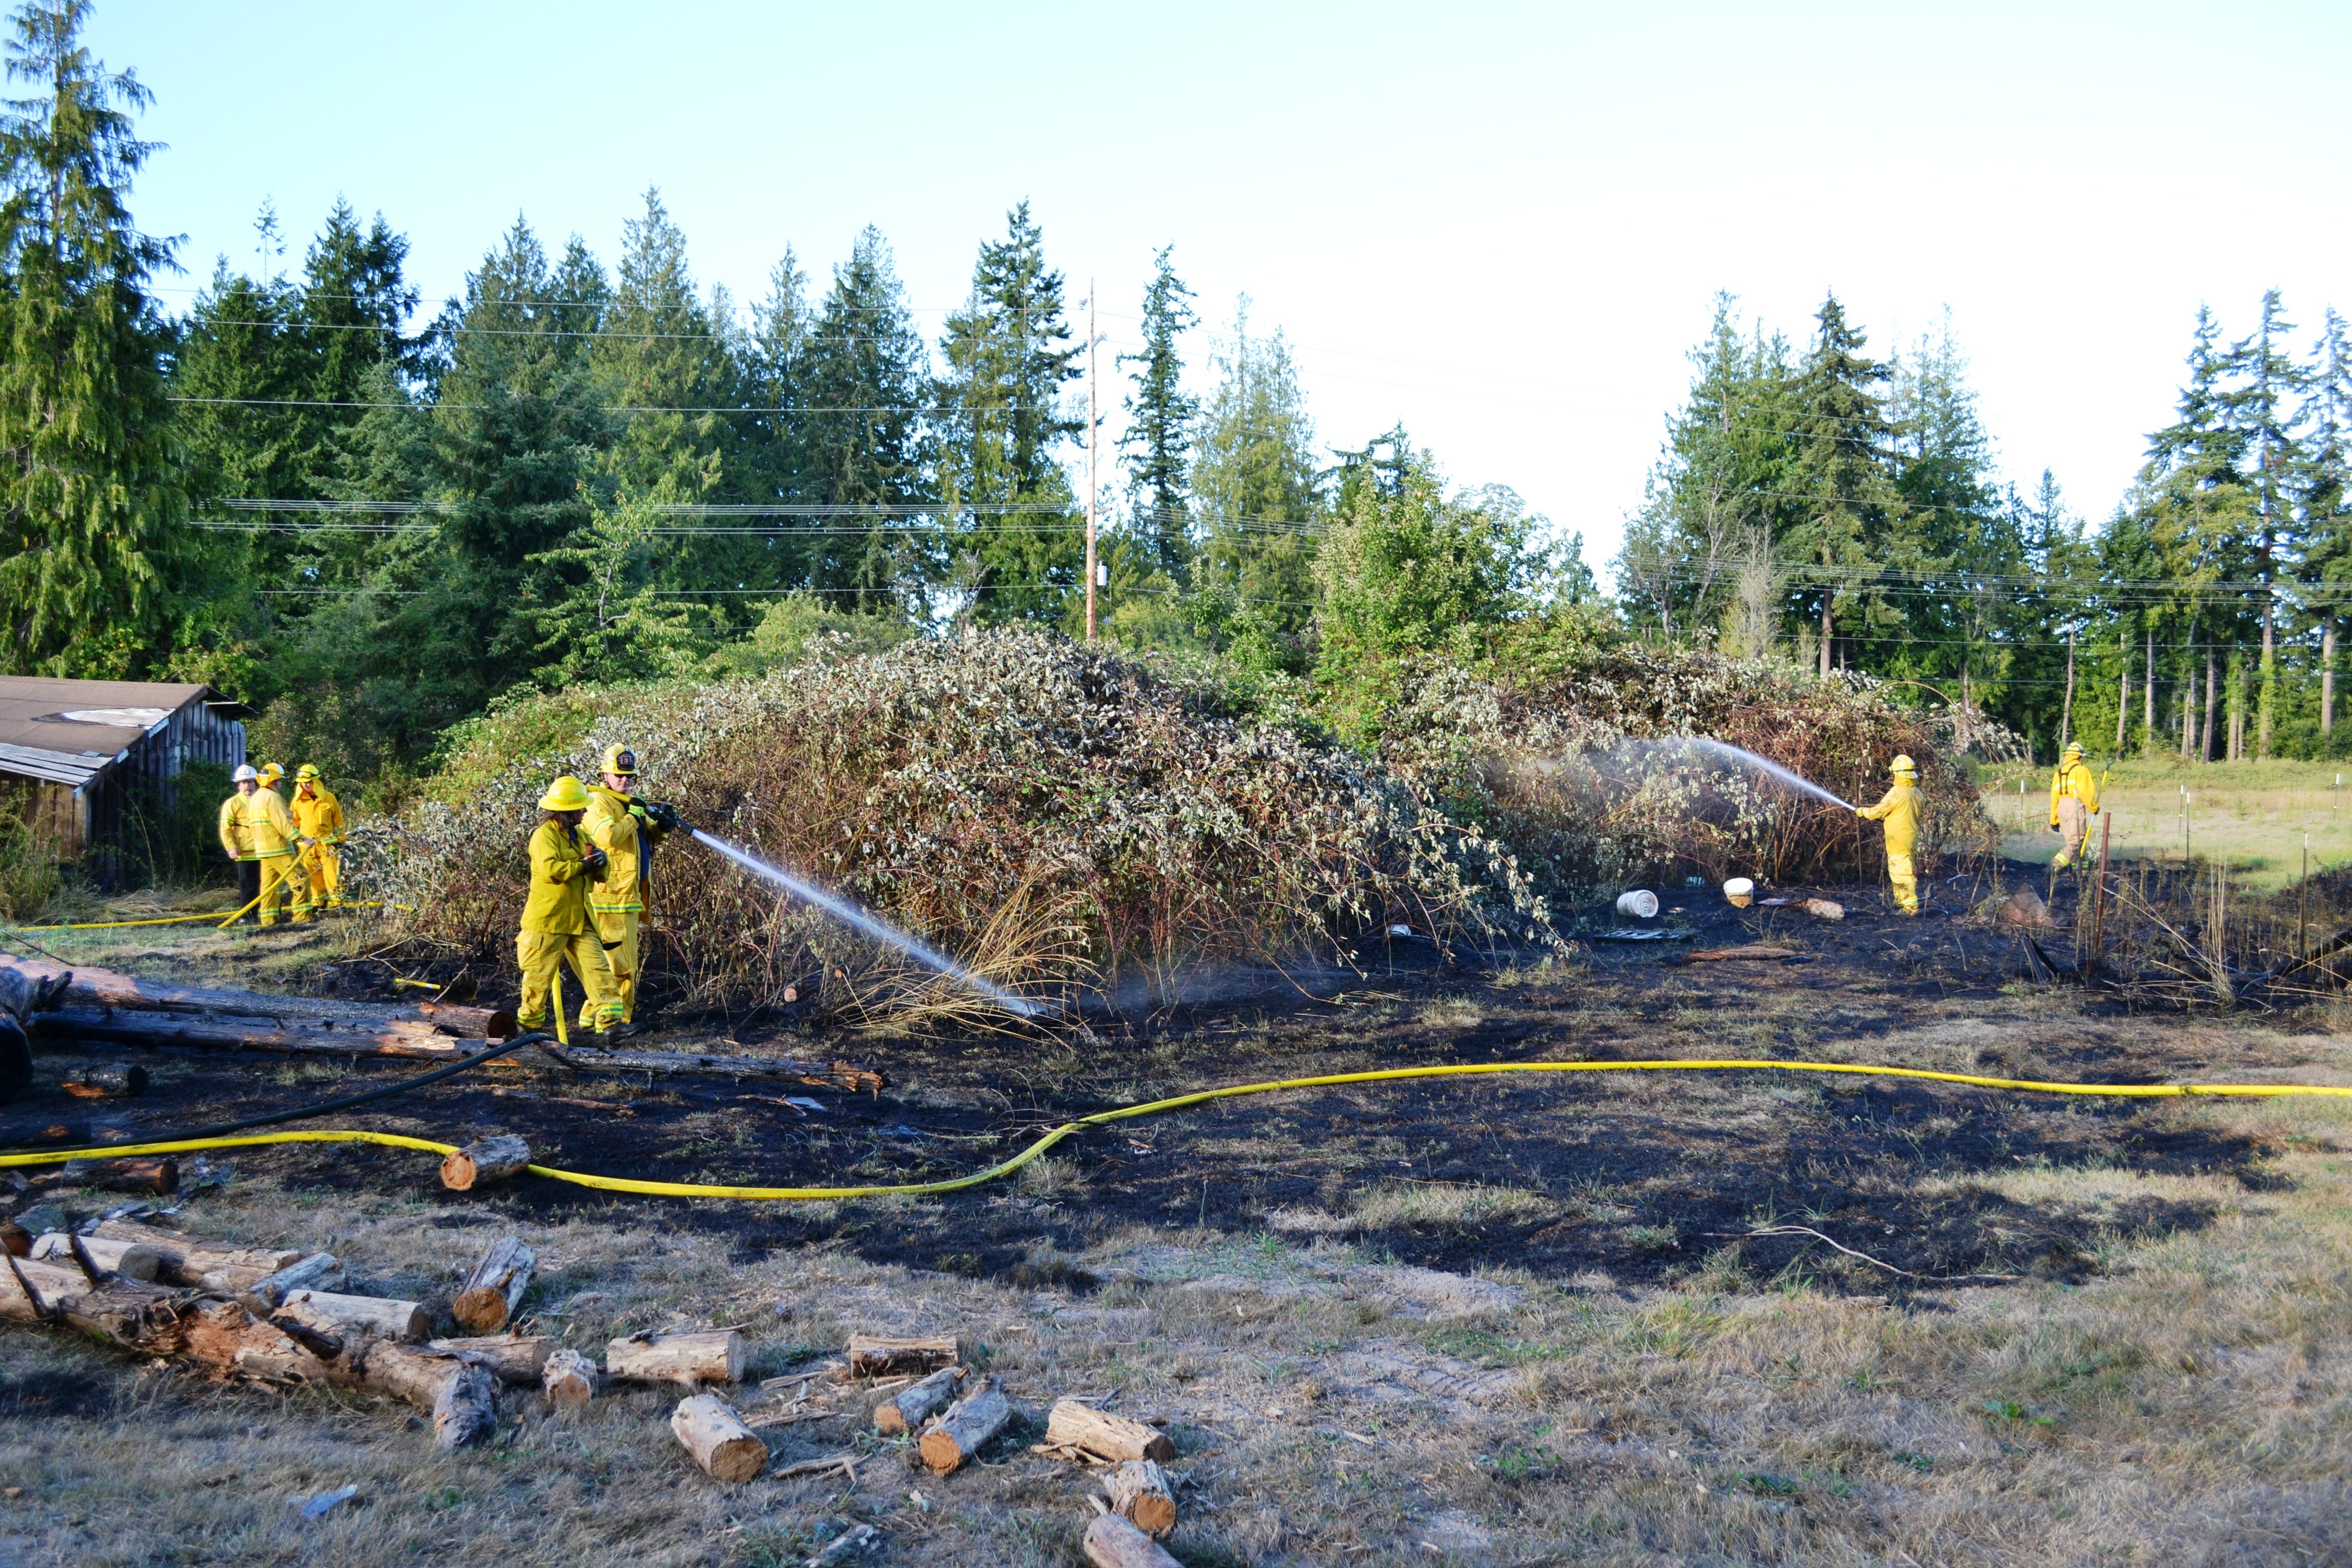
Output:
[[64, 731]]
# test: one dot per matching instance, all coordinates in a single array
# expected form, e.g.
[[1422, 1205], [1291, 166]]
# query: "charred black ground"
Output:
[[1636, 1176]]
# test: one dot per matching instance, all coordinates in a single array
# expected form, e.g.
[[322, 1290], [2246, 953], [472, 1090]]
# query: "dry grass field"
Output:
[[2254, 816], [1489, 1320]]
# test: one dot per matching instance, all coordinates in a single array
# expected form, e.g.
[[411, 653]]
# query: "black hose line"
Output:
[[366, 1097]]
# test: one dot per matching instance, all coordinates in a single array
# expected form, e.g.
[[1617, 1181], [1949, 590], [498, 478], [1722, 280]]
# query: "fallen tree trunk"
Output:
[[1141, 1494], [569, 1379], [200, 1265], [481, 1163], [518, 1359], [88, 987], [872, 1357], [155, 1322], [954, 1437], [408, 1040], [725, 1448], [910, 1408], [487, 1301], [1071, 1425], [1111, 1542], [463, 1397], [716, 1356]]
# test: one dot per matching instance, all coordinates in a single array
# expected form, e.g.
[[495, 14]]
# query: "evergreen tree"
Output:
[[1842, 528], [863, 400], [2257, 407], [2321, 487], [1158, 443], [1256, 485], [90, 477], [1002, 428]]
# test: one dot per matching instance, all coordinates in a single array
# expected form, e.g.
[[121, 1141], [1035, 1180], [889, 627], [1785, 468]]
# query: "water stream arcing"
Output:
[[1763, 764], [841, 908]]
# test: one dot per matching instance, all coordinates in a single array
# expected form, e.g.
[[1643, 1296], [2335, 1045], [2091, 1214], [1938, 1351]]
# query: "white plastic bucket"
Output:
[[1641, 903], [1739, 893]]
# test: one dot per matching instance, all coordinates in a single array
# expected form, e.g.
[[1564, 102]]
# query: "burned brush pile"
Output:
[[1046, 812], [1600, 778]]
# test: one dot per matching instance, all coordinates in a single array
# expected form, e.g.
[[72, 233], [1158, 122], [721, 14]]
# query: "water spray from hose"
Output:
[[1763, 764], [842, 909]]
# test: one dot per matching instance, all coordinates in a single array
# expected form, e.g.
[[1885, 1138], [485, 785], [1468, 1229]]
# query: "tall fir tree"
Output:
[[1842, 528], [862, 402], [2258, 406], [2321, 482], [1257, 495], [90, 479], [1157, 445], [1001, 429]]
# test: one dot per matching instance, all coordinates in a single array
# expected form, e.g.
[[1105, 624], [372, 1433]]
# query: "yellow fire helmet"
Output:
[[2074, 749], [1904, 768], [270, 773], [566, 794], [307, 774], [620, 762]]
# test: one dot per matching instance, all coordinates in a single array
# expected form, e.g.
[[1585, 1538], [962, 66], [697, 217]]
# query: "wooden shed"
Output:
[[75, 753]]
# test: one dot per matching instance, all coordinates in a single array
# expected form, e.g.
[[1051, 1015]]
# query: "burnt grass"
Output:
[[1638, 1176]]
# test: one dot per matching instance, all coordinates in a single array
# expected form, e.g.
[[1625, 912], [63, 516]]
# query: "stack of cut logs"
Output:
[[97, 1006], [276, 1316]]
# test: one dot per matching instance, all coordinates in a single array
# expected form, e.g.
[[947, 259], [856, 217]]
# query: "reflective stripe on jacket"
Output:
[[269, 827], [234, 836], [319, 816], [621, 833]]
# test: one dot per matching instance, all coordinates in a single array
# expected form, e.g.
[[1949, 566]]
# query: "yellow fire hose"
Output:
[[1182, 1101]]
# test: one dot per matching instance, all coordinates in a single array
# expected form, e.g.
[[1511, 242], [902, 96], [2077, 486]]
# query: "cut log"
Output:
[[715, 1356], [1141, 1494], [569, 1379], [153, 1177], [201, 1265], [226, 1335], [15, 1240], [725, 1448], [155, 1322], [106, 1081], [518, 1359], [472, 1023], [355, 1318], [462, 1397], [132, 1259], [487, 1301], [484, 1162], [910, 1408], [952, 1439], [405, 1038], [318, 1272], [1752, 952], [872, 1357], [1071, 1425], [1111, 1542]]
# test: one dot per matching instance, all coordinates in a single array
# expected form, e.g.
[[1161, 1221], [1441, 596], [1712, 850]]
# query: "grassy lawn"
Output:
[[2255, 815]]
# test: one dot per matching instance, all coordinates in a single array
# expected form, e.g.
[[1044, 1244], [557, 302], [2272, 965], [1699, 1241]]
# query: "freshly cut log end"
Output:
[[1140, 1493], [569, 1379], [15, 1240], [351, 1317], [911, 1407], [518, 1359], [953, 1439], [480, 1163], [714, 1356], [132, 1259], [153, 1177], [725, 1448], [110, 1081], [469, 1023], [487, 1301], [1071, 1425], [1113, 1543], [872, 1357]]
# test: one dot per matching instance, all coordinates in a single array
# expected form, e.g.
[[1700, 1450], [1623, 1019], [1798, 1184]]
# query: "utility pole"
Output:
[[1093, 458], [2066, 714]]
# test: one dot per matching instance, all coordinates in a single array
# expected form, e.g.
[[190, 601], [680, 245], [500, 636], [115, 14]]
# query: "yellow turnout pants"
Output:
[[542, 954], [617, 931], [281, 885], [325, 891], [2073, 826], [1906, 884]]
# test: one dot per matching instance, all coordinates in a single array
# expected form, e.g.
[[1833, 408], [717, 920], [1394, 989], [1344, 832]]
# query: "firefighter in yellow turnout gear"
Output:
[[1900, 812], [269, 836], [238, 839], [2073, 801], [622, 827], [556, 924], [319, 827]]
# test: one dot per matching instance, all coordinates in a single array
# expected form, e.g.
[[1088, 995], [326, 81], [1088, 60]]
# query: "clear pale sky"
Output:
[[1503, 225]]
